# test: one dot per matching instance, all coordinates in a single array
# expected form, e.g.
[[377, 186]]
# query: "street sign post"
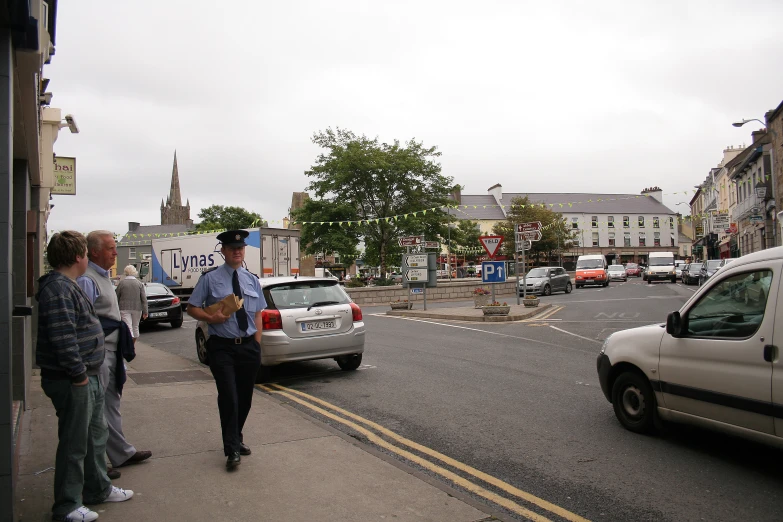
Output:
[[526, 233], [416, 260], [529, 227], [493, 272], [416, 274], [491, 244]]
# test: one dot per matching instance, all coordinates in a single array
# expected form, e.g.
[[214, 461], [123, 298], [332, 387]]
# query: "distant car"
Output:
[[306, 318], [690, 273], [617, 273], [632, 269], [545, 280], [162, 305], [396, 277], [709, 268]]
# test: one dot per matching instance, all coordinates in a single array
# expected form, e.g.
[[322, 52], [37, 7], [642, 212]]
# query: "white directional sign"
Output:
[[491, 244], [523, 244], [416, 274], [416, 260]]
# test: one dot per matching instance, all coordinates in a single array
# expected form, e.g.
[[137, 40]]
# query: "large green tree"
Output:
[[383, 185], [218, 217], [323, 236], [556, 237], [464, 234]]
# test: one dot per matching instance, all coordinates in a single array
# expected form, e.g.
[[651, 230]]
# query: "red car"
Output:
[[632, 269]]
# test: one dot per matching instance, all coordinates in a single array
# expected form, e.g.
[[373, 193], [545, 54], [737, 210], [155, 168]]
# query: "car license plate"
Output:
[[317, 325], [158, 314]]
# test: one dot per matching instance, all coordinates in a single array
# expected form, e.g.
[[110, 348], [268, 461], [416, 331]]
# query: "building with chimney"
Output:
[[135, 247]]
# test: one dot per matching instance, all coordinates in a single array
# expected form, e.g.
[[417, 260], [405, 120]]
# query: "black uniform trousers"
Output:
[[234, 367]]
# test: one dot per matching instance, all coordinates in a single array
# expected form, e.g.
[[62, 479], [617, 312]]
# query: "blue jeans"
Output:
[[80, 466]]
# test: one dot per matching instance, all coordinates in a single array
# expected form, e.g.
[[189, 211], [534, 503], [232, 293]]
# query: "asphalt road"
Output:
[[521, 402]]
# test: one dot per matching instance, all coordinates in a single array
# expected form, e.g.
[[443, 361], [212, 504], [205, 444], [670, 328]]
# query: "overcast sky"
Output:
[[540, 96]]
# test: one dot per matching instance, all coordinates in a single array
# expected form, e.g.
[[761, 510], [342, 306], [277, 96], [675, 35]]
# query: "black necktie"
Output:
[[241, 314]]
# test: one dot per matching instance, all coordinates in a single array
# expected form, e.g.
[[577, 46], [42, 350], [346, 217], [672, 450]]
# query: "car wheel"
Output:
[[674, 280], [349, 362], [568, 288], [177, 323], [634, 402], [649, 281], [547, 290], [264, 374], [201, 347]]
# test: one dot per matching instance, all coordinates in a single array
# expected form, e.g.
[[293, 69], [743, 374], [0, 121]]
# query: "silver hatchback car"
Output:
[[306, 318]]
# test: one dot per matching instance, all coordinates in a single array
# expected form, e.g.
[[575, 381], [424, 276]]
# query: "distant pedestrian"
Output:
[[132, 300], [70, 352], [234, 344]]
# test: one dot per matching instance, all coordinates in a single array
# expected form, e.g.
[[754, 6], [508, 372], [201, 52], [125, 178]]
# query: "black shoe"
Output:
[[243, 449], [113, 474], [233, 460]]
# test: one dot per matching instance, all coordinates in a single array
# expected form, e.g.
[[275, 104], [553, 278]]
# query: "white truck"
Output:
[[178, 262], [660, 267]]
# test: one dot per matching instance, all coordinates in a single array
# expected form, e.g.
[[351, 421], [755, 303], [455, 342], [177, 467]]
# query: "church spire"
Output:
[[175, 196]]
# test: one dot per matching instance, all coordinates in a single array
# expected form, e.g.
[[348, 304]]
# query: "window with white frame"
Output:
[[657, 239], [671, 223], [610, 221], [132, 253], [642, 239], [626, 222], [641, 221], [656, 222], [594, 221], [574, 223], [595, 239], [611, 239], [627, 239]]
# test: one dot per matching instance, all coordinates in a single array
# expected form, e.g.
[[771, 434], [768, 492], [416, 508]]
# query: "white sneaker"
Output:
[[119, 495], [81, 514]]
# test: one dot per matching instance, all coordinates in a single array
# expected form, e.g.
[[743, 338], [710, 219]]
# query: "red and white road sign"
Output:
[[410, 241], [530, 235], [527, 227], [491, 244]]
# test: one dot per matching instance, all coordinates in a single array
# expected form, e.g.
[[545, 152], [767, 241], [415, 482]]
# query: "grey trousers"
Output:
[[117, 448]]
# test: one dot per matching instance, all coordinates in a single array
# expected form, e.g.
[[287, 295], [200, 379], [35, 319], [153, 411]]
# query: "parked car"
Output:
[[306, 318], [633, 270], [690, 273], [162, 305], [545, 280], [396, 277], [617, 273], [711, 364], [709, 268]]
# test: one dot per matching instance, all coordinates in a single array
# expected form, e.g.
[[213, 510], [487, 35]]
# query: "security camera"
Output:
[[69, 119]]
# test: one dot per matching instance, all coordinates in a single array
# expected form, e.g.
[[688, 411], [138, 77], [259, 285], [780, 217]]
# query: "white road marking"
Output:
[[575, 335]]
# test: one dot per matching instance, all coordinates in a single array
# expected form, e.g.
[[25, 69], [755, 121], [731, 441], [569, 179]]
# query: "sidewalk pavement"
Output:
[[300, 469]]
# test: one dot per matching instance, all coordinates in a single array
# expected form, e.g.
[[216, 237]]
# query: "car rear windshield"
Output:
[[631, 265], [303, 294], [538, 272], [589, 263], [155, 290], [616, 268]]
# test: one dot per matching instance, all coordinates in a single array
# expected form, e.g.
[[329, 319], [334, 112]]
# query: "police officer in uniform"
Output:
[[233, 346]]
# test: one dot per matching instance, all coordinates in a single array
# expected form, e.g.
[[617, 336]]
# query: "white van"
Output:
[[591, 270], [716, 361], [660, 267]]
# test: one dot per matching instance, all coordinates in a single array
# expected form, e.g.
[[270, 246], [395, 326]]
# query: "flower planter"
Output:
[[531, 303], [480, 300], [495, 310], [401, 306]]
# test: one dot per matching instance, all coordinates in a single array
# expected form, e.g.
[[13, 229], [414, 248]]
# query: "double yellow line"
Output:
[[310, 402], [545, 315]]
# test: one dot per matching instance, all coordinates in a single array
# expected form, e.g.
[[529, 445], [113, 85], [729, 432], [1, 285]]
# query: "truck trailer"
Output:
[[178, 262]]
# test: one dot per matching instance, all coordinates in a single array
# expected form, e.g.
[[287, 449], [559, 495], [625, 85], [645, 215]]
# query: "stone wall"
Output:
[[454, 290]]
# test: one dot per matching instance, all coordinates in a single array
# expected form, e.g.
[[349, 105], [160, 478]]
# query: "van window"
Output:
[[661, 261], [734, 308], [584, 264]]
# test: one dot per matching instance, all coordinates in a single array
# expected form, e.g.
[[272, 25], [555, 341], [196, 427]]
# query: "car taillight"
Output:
[[271, 320], [356, 311], [176, 300]]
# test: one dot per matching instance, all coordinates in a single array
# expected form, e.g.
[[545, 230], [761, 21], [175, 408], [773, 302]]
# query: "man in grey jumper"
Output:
[[102, 251]]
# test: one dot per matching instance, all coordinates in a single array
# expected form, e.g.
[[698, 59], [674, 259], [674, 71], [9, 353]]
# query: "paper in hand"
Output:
[[230, 305]]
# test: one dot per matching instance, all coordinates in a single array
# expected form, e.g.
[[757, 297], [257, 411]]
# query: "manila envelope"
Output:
[[230, 305]]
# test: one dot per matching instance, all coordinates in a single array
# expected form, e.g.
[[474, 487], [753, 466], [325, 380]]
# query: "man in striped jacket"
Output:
[[70, 352]]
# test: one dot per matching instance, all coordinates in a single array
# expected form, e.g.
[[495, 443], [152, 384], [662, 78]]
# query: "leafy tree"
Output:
[[464, 234], [218, 217], [326, 237], [378, 181], [556, 237]]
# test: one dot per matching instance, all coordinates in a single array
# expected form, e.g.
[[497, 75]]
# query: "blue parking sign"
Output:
[[493, 272]]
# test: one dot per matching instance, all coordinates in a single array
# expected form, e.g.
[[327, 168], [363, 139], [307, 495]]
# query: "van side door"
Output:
[[717, 369]]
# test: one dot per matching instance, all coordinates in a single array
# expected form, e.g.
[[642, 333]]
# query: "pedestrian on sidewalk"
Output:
[[234, 344], [102, 252], [132, 300], [70, 352]]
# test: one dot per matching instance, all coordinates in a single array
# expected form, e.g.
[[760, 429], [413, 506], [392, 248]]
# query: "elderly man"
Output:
[[96, 283]]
